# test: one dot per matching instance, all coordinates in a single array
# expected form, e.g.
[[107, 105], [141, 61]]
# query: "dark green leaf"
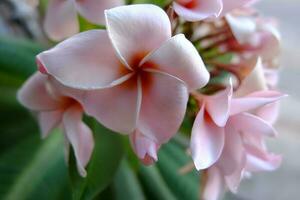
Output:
[[33, 169], [126, 184]]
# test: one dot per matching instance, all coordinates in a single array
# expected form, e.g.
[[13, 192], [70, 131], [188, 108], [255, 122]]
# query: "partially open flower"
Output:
[[135, 76], [228, 139], [55, 106]]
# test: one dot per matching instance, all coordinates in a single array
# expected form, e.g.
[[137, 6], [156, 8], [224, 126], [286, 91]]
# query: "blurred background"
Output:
[[283, 184]]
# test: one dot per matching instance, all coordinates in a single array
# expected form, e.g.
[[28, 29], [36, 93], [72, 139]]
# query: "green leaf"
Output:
[[126, 184], [154, 184], [17, 58], [34, 169], [161, 3], [171, 159], [106, 158]]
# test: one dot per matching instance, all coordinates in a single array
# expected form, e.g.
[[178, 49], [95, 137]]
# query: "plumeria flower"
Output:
[[54, 106], [196, 10], [261, 79], [61, 20], [228, 139], [255, 34], [136, 78]]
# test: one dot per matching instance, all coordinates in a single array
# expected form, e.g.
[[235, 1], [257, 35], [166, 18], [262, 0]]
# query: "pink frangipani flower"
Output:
[[61, 16], [54, 106], [136, 78], [255, 34], [228, 139], [196, 10]]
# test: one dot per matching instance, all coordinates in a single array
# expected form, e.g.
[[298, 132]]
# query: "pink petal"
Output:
[[48, 121], [260, 160], [34, 94], [197, 10], [233, 151], [229, 5], [218, 106], [84, 61], [214, 185], [233, 180], [164, 102], [117, 107], [271, 41], [136, 30], [178, 57], [61, 20], [144, 147], [207, 141], [80, 137], [93, 10], [242, 27], [269, 112], [255, 81], [253, 101], [252, 124]]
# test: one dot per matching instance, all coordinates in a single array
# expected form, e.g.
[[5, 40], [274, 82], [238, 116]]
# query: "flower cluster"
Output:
[[140, 74]]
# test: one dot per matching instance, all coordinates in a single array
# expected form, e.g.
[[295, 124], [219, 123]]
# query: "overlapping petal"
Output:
[[145, 148], [136, 30], [214, 184], [49, 120], [164, 102], [93, 10], [207, 141], [61, 19], [84, 61], [196, 10], [218, 106], [254, 101], [117, 107], [233, 151], [34, 94], [178, 57], [79, 135], [253, 125]]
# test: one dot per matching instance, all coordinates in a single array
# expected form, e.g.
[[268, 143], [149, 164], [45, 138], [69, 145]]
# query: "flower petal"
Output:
[[207, 141], [136, 30], [48, 121], [253, 101], [260, 160], [233, 151], [84, 61], [197, 10], [61, 20], [34, 94], [145, 148], [164, 102], [229, 5], [117, 107], [178, 57], [255, 81], [242, 27], [252, 124], [233, 180], [80, 137], [93, 10], [269, 112], [214, 185], [218, 106]]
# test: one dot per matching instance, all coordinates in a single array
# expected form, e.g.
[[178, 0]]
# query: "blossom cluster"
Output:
[[140, 75]]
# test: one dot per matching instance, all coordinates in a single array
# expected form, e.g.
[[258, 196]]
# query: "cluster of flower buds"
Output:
[[215, 59]]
